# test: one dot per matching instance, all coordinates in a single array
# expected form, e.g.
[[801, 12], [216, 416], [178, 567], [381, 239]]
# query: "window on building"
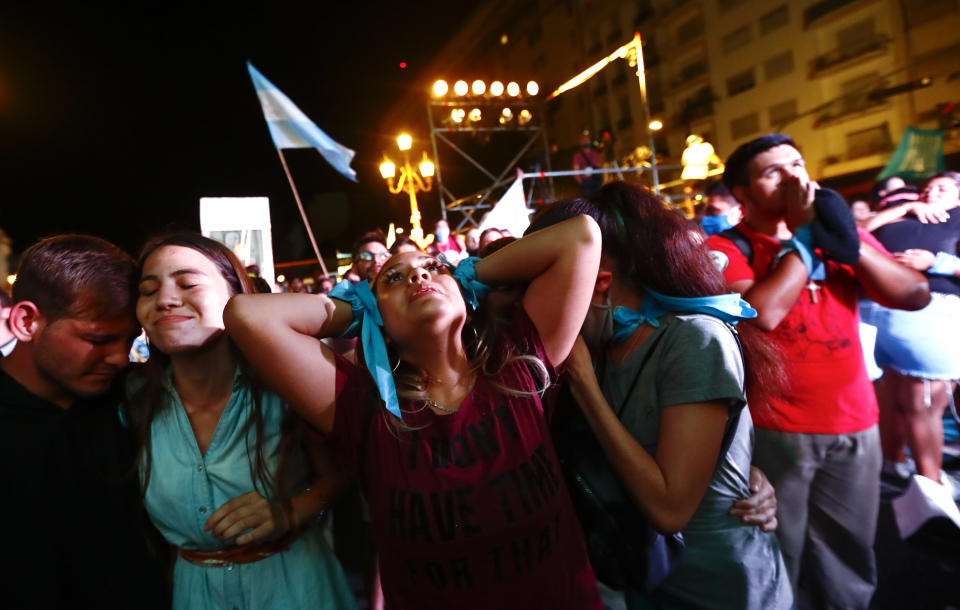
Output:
[[855, 37], [856, 92], [644, 12], [745, 125], [690, 30], [596, 44], [782, 113], [604, 121], [616, 31], [725, 5], [777, 18], [922, 11], [870, 141], [736, 39], [778, 65], [740, 82]]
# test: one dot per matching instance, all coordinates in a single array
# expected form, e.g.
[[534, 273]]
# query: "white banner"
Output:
[[243, 225]]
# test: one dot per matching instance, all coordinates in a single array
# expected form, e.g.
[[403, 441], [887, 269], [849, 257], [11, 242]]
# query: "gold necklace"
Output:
[[433, 403]]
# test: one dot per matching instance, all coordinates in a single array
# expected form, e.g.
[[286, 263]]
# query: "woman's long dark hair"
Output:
[[654, 246], [148, 398]]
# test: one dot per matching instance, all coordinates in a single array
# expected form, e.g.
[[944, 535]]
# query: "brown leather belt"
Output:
[[247, 553]]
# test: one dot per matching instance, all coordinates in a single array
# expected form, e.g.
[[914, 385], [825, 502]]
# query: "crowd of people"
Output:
[[619, 408]]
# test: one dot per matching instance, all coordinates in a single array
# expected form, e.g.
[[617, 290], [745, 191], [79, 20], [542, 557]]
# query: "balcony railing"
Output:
[[837, 57], [821, 9], [697, 106], [690, 72], [841, 109]]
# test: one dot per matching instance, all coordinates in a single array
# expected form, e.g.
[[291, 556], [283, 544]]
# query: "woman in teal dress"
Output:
[[226, 479]]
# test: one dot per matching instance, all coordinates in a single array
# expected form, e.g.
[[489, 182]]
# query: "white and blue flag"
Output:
[[291, 128]]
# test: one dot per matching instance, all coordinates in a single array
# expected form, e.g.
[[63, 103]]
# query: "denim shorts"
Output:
[[923, 343]]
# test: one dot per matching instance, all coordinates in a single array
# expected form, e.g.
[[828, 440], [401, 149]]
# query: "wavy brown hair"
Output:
[[652, 246]]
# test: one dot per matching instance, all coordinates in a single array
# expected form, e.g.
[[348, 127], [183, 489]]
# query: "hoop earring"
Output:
[[397, 365], [476, 335]]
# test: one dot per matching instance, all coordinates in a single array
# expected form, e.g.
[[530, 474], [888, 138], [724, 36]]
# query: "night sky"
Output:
[[115, 121]]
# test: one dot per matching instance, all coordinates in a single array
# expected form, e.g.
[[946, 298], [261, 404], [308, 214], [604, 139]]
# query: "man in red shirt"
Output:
[[798, 259]]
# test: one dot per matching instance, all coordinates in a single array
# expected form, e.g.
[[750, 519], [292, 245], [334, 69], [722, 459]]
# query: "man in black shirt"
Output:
[[73, 529]]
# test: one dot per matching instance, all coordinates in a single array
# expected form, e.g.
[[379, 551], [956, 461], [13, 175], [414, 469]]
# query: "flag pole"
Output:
[[303, 214]]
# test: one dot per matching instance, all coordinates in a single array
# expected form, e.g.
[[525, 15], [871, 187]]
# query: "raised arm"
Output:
[[560, 263], [925, 213], [277, 334], [890, 283], [775, 294]]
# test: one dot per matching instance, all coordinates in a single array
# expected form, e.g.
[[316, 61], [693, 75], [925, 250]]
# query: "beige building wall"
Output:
[[729, 70]]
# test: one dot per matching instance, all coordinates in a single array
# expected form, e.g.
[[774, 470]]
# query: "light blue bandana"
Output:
[[728, 307], [802, 244], [366, 318]]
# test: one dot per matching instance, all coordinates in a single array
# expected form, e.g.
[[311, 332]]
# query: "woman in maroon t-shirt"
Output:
[[468, 506]]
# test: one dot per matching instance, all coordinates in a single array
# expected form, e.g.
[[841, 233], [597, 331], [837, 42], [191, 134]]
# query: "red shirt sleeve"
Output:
[[729, 259]]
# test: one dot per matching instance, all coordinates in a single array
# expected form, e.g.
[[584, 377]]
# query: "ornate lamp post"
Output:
[[410, 181]]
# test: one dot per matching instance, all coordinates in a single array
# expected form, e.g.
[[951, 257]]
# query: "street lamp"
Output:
[[410, 181]]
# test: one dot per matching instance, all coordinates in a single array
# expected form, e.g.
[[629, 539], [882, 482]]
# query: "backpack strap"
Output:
[[740, 241]]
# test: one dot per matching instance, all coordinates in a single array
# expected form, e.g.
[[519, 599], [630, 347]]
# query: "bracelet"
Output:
[[944, 264]]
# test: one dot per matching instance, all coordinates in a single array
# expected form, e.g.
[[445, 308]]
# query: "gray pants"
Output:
[[828, 495]]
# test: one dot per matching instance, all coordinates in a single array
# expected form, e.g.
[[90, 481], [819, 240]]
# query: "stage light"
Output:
[[440, 88], [457, 114], [478, 87], [506, 115], [281, 278], [524, 117], [656, 125], [533, 88], [460, 87], [513, 89], [404, 141], [474, 115], [496, 88]]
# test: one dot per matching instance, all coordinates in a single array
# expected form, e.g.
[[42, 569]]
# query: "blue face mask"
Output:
[[442, 235], [715, 224]]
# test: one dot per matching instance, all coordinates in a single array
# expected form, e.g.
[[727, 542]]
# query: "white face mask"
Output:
[[597, 328]]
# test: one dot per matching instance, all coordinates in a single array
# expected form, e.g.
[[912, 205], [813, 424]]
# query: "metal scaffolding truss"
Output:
[[480, 200]]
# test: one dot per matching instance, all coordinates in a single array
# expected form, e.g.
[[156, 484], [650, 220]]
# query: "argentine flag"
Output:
[[290, 127]]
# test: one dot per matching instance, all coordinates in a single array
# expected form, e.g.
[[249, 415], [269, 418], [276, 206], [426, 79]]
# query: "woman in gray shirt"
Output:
[[672, 387]]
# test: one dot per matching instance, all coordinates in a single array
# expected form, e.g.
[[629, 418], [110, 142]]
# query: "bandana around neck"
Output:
[[727, 307]]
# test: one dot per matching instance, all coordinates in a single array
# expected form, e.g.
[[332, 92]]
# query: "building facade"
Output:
[[843, 77]]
